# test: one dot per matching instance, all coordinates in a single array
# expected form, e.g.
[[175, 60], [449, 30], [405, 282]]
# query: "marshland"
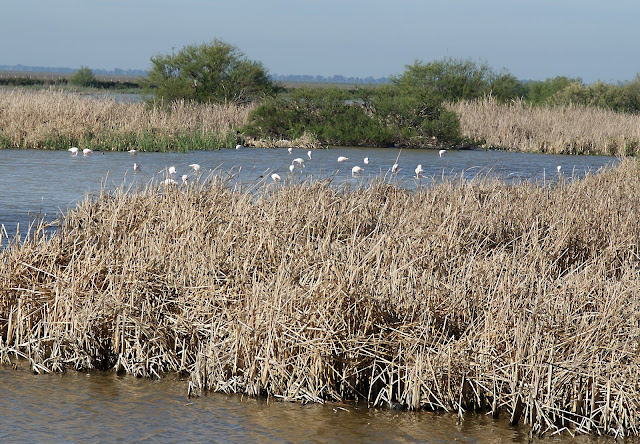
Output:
[[457, 293]]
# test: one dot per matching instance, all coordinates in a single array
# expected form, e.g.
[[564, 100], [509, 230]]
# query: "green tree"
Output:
[[216, 72], [83, 77]]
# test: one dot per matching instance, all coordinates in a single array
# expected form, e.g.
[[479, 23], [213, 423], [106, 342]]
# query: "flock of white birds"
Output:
[[297, 162]]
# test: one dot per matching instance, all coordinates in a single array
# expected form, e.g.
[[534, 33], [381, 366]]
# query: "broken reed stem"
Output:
[[469, 294]]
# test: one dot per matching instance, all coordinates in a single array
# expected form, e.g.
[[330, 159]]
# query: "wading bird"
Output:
[[342, 159], [559, 168], [394, 168], [289, 149], [132, 151], [86, 151], [419, 171], [136, 167], [442, 153], [299, 161], [195, 167], [309, 154], [366, 161], [275, 177], [238, 146], [355, 171], [172, 172], [291, 168], [73, 150], [169, 181]]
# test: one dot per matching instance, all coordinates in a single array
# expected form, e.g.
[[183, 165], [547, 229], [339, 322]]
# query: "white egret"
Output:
[[172, 171], [366, 161], [185, 177], [136, 167], [442, 153], [419, 171], [132, 151], [309, 154], [289, 149], [275, 177], [239, 146], [559, 167], [342, 159], [195, 167], [355, 171], [73, 150], [299, 161], [291, 168], [394, 168], [169, 181], [86, 151]]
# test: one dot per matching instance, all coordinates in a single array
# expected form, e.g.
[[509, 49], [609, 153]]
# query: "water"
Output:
[[39, 183], [104, 407]]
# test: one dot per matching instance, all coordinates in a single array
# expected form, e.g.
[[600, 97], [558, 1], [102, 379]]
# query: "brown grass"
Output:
[[28, 119], [519, 300], [559, 130]]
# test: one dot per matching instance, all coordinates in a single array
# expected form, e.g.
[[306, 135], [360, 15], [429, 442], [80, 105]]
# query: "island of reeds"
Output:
[[517, 300]]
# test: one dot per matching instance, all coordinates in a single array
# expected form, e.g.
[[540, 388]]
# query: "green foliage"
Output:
[[382, 116], [541, 93], [83, 77], [216, 72]]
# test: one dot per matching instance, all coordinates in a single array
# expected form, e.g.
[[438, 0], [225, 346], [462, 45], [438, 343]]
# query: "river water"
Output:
[[105, 407], [40, 183]]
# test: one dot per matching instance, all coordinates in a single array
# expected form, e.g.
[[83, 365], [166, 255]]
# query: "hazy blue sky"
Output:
[[591, 39]]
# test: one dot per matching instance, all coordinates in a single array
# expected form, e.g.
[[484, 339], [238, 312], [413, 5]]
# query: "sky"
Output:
[[532, 40]]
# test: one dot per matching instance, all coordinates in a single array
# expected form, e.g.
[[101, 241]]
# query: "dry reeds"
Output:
[[56, 119], [519, 300], [558, 130]]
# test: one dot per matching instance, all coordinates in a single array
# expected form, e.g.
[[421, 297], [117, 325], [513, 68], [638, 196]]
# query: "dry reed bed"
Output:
[[514, 299], [44, 119], [558, 130]]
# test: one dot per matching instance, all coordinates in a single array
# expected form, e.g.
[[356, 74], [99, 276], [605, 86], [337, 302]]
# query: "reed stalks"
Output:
[[558, 130], [53, 119], [518, 300]]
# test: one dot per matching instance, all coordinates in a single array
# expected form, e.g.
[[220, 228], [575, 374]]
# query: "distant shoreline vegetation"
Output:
[[446, 103]]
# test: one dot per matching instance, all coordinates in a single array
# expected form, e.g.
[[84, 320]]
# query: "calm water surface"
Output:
[[103, 407], [45, 183]]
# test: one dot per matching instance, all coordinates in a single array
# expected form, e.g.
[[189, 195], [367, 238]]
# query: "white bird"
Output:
[[355, 171], [442, 153], [299, 161], [289, 149], [291, 168], [342, 159], [132, 151], [172, 171], [238, 146], [185, 177], [275, 177], [394, 168], [419, 171], [366, 161], [86, 151], [309, 154], [169, 181], [195, 166], [136, 167], [73, 150], [559, 168]]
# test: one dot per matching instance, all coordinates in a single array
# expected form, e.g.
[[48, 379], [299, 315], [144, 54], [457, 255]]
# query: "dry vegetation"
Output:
[[56, 119], [513, 299], [557, 130]]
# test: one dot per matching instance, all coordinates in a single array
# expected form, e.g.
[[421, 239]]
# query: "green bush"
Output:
[[83, 77], [216, 72]]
